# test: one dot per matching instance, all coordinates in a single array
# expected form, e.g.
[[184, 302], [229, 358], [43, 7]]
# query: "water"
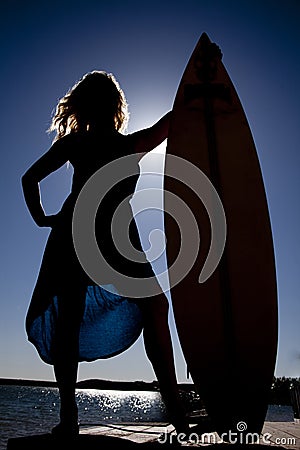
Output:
[[26, 410]]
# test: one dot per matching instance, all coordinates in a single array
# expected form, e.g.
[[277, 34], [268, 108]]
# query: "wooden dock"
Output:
[[275, 435]]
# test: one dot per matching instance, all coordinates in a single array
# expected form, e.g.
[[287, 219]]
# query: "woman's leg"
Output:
[[157, 338], [159, 349], [65, 355]]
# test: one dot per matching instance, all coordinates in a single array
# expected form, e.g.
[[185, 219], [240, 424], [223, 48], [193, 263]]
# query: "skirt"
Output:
[[109, 322]]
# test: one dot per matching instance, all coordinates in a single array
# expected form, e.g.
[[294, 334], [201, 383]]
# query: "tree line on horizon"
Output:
[[282, 390]]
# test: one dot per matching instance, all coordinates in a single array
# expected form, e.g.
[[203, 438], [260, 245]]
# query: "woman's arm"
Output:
[[54, 158], [149, 138]]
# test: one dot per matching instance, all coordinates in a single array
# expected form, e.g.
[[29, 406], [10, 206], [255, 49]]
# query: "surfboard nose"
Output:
[[204, 39]]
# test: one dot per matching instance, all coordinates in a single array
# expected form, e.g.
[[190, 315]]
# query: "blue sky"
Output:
[[47, 46]]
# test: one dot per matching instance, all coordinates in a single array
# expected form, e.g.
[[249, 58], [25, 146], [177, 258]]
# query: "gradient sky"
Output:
[[47, 46]]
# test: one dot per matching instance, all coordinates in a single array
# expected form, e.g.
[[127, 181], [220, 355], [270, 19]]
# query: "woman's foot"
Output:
[[181, 427], [179, 420], [65, 430], [68, 425]]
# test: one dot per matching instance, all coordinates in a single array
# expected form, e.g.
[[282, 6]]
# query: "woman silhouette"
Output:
[[88, 124]]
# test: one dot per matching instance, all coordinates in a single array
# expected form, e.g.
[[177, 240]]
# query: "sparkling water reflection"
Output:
[[119, 406]]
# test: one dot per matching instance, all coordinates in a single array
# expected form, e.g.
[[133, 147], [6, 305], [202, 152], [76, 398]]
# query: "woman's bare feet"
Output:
[[65, 430], [68, 425]]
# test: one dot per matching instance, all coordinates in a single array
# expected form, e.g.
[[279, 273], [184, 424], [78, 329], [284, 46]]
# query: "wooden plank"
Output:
[[275, 435], [286, 434]]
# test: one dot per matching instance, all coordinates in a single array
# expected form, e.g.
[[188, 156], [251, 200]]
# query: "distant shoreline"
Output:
[[280, 393], [96, 384]]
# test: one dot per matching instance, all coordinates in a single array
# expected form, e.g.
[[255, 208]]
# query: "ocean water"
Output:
[[26, 410]]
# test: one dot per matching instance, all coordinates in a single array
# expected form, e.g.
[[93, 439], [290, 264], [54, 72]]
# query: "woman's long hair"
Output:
[[95, 102]]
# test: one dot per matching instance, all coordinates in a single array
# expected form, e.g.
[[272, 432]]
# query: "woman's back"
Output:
[[89, 152]]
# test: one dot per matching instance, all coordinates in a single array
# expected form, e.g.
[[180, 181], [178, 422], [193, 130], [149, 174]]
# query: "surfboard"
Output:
[[227, 322]]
